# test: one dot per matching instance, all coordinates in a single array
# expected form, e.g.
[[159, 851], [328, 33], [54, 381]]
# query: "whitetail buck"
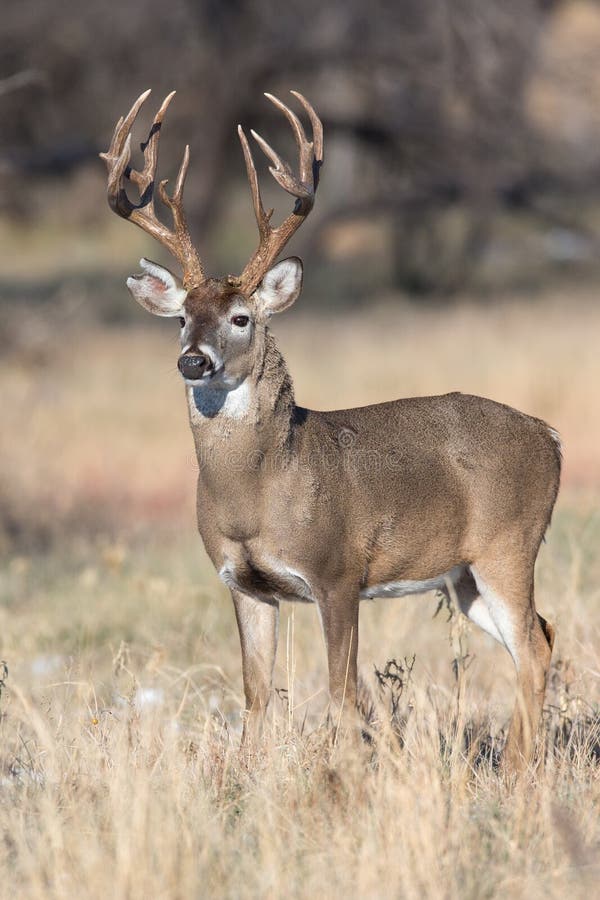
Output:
[[452, 493]]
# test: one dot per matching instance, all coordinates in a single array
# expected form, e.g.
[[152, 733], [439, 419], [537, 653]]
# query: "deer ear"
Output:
[[157, 289], [280, 286]]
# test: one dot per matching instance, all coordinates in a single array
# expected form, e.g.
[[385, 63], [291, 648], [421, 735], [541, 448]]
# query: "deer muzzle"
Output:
[[194, 365]]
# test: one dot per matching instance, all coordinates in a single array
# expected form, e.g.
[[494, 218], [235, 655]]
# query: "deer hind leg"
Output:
[[513, 620], [473, 605], [258, 626]]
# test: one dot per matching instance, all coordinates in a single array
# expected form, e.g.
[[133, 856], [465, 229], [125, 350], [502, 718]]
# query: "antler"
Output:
[[117, 159], [303, 187]]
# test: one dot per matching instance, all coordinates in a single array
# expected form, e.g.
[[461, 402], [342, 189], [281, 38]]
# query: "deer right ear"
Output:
[[157, 290]]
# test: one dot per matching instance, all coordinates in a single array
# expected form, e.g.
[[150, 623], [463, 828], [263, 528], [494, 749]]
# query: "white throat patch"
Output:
[[237, 401], [209, 401]]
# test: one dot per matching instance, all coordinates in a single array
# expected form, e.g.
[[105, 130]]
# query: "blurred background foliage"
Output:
[[462, 139]]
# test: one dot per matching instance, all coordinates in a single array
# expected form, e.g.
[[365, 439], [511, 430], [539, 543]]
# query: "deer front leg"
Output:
[[258, 625], [339, 618]]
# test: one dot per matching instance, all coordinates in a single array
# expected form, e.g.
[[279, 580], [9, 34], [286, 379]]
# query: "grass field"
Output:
[[120, 773]]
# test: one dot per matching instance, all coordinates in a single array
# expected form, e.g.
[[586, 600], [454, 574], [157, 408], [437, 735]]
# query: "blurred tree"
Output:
[[425, 101]]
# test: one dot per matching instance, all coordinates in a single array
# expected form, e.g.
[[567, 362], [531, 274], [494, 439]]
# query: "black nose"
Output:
[[193, 365]]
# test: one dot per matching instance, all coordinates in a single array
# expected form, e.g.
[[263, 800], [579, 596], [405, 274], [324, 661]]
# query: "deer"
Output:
[[452, 493]]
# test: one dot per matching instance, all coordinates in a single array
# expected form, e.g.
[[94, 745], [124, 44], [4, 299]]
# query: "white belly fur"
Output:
[[295, 587], [403, 588]]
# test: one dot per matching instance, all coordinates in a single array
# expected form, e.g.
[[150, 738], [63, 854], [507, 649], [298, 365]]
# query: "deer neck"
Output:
[[257, 414]]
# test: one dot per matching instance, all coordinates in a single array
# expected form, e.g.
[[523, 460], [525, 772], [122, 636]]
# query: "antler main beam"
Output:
[[302, 186], [117, 159]]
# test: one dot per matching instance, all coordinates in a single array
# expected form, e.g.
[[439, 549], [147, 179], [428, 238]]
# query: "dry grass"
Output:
[[119, 767]]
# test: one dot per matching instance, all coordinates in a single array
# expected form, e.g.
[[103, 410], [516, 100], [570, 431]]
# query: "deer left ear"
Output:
[[157, 290], [280, 287]]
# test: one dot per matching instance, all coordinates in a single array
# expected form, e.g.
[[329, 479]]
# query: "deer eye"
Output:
[[240, 321], [181, 321]]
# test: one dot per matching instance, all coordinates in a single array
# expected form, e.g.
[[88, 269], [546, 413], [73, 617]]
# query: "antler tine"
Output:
[[175, 204], [117, 158], [149, 148], [304, 146], [117, 165], [316, 124], [281, 171], [262, 217], [302, 186], [181, 176]]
